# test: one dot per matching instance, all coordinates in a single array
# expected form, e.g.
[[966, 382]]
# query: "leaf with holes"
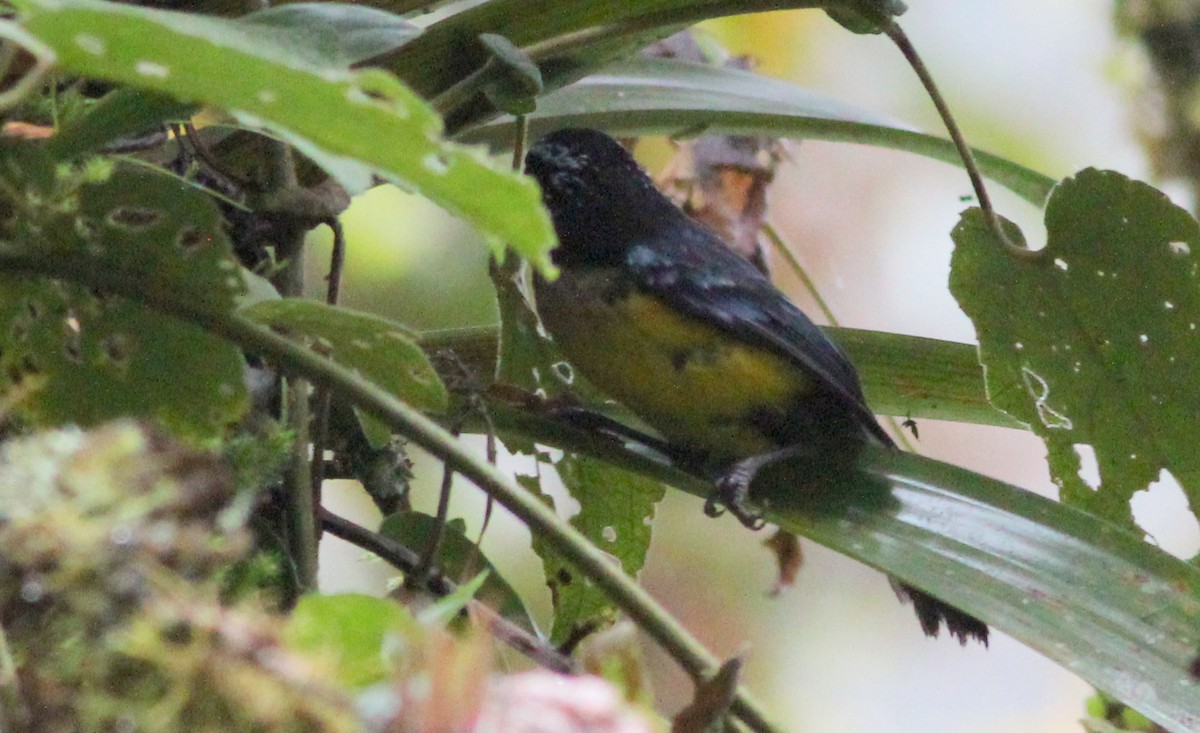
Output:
[[86, 357], [381, 350], [355, 123], [1095, 339], [616, 511]]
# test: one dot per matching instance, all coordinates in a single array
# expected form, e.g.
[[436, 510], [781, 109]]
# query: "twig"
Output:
[[407, 561], [429, 558], [324, 398], [299, 502], [900, 38]]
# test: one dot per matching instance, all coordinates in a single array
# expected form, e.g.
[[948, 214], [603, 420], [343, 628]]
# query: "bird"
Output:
[[659, 314]]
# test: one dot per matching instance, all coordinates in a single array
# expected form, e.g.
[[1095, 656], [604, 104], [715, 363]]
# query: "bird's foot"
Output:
[[732, 493]]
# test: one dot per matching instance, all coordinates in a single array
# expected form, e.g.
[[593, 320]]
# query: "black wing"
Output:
[[694, 271]]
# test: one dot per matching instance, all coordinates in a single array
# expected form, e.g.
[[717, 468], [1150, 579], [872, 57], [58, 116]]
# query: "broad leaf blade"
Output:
[[1094, 338], [1088, 594], [1093, 597], [661, 96], [351, 122], [94, 358]]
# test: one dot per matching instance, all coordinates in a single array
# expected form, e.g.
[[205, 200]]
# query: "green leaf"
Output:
[[93, 358], [459, 557], [1115, 610], [1093, 340], [517, 80], [351, 122], [336, 35], [121, 113], [446, 609], [662, 96], [616, 508], [1091, 596], [353, 632], [381, 350], [569, 40]]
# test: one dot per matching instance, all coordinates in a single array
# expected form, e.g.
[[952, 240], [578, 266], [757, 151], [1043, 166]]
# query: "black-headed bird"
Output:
[[658, 313]]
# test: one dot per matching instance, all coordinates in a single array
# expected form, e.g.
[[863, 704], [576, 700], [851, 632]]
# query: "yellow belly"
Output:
[[690, 381]]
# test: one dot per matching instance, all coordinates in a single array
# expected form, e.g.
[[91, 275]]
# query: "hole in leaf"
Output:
[[116, 348], [1162, 511], [28, 366], [131, 217], [563, 371], [190, 239], [1089, 466]]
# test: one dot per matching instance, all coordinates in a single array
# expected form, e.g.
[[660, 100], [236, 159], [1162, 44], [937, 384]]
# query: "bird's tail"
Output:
[[932, 613]]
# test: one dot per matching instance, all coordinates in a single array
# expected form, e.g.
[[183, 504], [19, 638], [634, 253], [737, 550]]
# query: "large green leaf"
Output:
[[333, 34], [1098, 600], [90, 358], [351, 122], [356, 634], [1088, 594], [662, 96], [1093, 339], [570, 40]]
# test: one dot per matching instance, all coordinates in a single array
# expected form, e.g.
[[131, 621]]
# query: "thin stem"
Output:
[[324, 398], [337, 262], [520, 141], [541, 520], [900, 38], [793, 261], [300, 512], [429, 559]]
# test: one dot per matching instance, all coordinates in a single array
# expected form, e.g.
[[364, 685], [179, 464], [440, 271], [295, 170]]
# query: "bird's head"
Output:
[[600, 199]]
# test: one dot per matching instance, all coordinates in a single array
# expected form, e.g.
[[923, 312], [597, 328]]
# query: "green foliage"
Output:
[[333, 35], [337, 118], [1092, 340], [356, 634], [85, 358], [120, 295], [617, 508], [459, 560], [381, 350], [641, 96]]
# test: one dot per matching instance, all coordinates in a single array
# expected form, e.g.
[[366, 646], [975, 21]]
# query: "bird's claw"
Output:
[[732, 493]]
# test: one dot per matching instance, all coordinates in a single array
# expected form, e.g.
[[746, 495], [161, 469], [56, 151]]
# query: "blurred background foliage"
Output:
[[1046, 83]]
